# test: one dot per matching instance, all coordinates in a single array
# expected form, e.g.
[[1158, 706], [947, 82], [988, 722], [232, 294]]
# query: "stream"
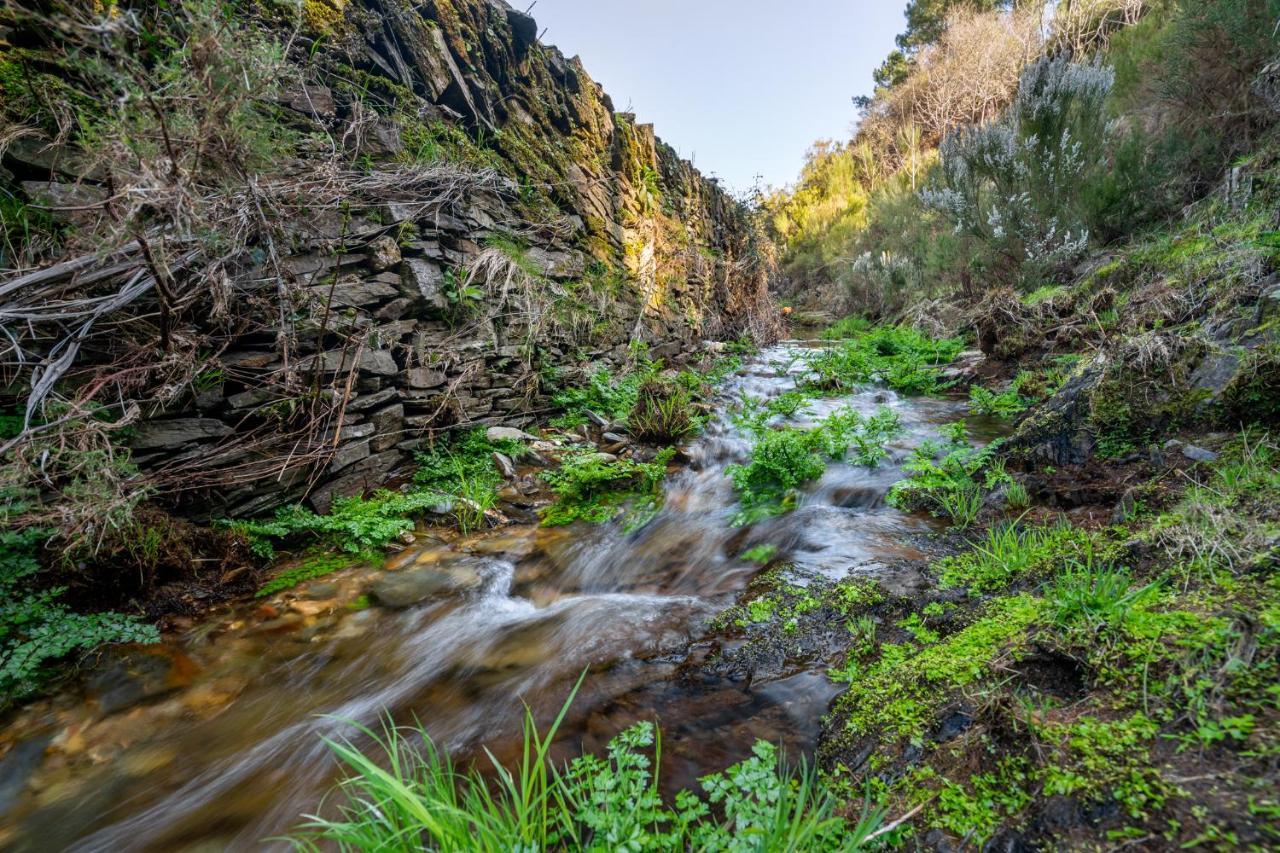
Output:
[[232, 752]]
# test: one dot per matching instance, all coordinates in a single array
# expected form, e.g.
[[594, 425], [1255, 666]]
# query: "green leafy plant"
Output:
[[899, 356], [663, 412], [36, 628], [949, 485], [592, 487], [408, 794]]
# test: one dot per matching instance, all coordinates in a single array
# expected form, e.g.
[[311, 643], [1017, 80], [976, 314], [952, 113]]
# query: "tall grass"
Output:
[[407, 794]]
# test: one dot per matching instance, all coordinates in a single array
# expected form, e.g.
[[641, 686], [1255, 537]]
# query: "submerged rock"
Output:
[[413, 586]]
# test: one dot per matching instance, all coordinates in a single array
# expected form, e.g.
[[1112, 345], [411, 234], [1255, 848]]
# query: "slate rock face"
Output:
[[384, 349]]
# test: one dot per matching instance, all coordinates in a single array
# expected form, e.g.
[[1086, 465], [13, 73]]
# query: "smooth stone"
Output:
[[1198, 454], [501, 433]]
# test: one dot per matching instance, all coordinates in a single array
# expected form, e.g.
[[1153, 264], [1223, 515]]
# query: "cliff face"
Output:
[[495, 231]]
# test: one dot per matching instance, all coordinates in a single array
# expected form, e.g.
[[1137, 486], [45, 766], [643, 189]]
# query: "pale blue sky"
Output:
[[741, 86]]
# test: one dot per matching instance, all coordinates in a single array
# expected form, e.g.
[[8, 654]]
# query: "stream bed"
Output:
[[228, 750]]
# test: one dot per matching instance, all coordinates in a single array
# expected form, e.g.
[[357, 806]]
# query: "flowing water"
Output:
[[234, 754]]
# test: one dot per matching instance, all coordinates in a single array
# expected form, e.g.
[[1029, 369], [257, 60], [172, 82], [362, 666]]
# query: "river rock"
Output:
[[503, 433], [413, 586], [506, 468], [407, 588], [130, 675]]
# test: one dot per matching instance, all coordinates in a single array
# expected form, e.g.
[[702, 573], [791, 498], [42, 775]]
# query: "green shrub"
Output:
[[311, 567], [356, 525], [409, 795], [589, 486], [1015, 184], [781, 461], [784, 459]]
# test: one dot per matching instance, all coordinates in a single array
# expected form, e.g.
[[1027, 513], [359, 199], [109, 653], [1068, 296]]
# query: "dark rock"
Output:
[[165, 435], [360, 477], [312, 100], [388, 427], [369, 401], [351, 292], [16, 768], [953, 725], [349, 454], [596, 419], [394, 310], [376, 361], [506, 468], [130, 675]]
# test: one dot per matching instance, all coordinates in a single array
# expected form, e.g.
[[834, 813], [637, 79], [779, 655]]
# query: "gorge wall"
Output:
[[463, 226]]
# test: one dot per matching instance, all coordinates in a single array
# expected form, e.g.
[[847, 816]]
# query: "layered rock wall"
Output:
[[554, 236]]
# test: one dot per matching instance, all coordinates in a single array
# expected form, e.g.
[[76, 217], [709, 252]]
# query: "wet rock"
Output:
[[506, 468], [1198, 454], [407, 588], [320, 591], [413, 586], [953, 725], [132, 675], [598, 420], [16, 768]]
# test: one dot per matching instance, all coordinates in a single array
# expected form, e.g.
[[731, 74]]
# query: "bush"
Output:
[[409, 795], [1015, 184]]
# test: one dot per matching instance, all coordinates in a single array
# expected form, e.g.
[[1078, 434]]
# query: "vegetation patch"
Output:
[[591, 803], [901, 357], [595, 487]]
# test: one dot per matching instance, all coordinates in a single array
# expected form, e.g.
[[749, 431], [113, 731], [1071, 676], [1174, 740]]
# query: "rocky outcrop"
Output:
[[552, 235]]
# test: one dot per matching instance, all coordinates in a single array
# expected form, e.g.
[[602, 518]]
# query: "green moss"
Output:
[[308, 568], [898, 697]]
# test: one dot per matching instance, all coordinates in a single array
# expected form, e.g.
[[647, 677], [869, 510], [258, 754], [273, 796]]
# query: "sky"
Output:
[[741, 87]]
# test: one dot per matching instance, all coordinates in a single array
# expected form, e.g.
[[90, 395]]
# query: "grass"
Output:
[[409, 795], [1010, 552], [1131, 669]]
